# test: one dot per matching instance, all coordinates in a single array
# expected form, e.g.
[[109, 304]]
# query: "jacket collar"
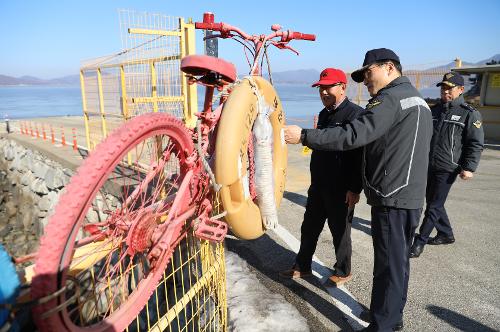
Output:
[[339, 107], [457, 101], [393, 83]]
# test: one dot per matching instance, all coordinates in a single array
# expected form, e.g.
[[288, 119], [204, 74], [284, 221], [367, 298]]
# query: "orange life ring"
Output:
[[231, 156]]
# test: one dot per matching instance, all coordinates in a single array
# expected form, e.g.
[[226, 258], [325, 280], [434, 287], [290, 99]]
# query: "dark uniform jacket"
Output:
[[458, 137], [396, 130], [336, 172]]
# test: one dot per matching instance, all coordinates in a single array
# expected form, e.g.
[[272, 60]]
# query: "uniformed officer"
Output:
[[335, 184], [395, 130], [456, 146]]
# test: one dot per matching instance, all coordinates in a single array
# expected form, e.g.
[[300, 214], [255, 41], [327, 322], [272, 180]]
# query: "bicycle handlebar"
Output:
[[303, 36], [286, 36]]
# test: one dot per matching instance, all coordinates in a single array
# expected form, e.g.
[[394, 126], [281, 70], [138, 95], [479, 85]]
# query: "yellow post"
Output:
[[458, 63], [85, 113], [101, 103], [154, 95], [417, 81], [124, 105], [189, 92]]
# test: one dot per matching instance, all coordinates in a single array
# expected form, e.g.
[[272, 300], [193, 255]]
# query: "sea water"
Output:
[[300, 101]]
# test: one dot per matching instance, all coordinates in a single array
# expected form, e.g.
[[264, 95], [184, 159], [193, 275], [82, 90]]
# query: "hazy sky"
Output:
[[49, 38]]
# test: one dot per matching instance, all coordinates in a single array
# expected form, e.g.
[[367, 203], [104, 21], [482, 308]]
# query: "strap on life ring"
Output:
[[231, 161]]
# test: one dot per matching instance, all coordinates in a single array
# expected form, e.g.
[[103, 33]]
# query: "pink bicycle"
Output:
[[149, 184]]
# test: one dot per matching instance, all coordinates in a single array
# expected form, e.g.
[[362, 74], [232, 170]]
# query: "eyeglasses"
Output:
[[326, 87], [368, 71]]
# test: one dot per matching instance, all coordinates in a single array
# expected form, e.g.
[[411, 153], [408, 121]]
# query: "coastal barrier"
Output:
[[30, 186]]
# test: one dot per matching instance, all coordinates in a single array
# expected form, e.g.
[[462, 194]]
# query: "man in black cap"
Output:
[[395, 130], [456, 146]]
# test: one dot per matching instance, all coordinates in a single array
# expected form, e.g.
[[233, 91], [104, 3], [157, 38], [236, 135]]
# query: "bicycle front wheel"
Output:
[[99, 246]]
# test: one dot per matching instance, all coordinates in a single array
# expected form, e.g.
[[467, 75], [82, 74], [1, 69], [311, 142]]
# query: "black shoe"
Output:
[[399, 326], [367, 317], [439, 239], [370, 328], [416, 250]]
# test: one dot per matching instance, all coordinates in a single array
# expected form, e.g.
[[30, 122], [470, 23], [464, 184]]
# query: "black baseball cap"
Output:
[[452, 79], [372, 56]]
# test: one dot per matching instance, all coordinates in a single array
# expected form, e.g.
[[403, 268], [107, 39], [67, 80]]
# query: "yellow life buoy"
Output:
[[231, 154]]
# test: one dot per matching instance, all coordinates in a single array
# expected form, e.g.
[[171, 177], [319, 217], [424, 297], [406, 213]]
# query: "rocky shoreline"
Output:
[[30, 185]]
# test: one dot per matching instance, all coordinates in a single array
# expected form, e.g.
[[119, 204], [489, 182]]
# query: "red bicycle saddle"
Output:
[[199, 65]]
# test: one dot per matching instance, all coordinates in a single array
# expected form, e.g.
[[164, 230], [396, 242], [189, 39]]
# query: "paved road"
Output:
[[452, 288]]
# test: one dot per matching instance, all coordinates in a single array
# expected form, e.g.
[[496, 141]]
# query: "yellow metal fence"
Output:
[[144, 77], [420, 79]]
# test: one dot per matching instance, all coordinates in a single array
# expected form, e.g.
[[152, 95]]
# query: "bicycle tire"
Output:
[[57, 248]]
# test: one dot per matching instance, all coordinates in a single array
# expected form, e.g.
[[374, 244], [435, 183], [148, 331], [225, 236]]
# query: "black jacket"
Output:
[[336, 172], [396, 130], [458, 138]]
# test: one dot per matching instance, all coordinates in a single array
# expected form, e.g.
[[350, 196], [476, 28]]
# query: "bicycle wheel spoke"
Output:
[[109, 249]]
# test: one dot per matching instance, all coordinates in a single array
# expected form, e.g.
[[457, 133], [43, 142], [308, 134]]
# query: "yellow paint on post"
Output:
[[101, 103], [85, 111]]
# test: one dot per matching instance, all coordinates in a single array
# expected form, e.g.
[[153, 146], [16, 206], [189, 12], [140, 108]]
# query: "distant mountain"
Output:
[[292, 76], [296, 76], [299, 76], [30, 80], [450, 65], [496, 57]]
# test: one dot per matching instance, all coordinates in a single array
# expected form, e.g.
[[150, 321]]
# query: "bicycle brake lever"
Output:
[[282, 46]]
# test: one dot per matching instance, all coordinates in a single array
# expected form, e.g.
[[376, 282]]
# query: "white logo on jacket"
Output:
[[455, 117]]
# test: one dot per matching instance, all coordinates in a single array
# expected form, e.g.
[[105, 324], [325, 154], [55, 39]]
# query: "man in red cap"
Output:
[[335, 184]]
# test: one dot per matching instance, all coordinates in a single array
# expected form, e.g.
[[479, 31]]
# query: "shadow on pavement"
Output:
[[361, 225], [268, 257], [457, 320], [295, 198]]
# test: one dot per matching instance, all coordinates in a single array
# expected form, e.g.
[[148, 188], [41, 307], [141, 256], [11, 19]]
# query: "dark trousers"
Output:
[[321, 206], [438, 187], [392, 232]]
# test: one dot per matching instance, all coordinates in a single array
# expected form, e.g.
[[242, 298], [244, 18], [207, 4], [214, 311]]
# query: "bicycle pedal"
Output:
[[211, 230]]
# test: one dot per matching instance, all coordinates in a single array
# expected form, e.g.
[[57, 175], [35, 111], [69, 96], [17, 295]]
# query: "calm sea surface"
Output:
[[300, 102]]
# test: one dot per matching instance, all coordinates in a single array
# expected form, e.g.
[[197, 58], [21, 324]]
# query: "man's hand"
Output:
[[351, 198], [466, 175], [292, 134]]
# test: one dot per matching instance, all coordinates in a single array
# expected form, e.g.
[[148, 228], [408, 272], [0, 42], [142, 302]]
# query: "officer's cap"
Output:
[[372, 56], [452, 79]]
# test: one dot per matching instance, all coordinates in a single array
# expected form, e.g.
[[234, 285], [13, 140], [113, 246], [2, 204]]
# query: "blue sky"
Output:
[[48, 38]]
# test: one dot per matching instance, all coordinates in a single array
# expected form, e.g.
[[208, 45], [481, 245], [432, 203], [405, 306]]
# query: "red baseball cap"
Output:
[[331, 76]]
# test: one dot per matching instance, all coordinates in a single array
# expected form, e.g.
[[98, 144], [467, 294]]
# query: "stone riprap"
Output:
[[30, 185]]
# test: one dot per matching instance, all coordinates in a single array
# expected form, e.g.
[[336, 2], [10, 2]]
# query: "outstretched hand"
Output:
[[292, 134]]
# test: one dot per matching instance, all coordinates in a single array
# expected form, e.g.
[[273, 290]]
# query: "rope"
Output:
[[204, 162]]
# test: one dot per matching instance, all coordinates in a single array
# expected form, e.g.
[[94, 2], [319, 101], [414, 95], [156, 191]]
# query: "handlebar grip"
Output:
[[208, 26], [303, 36]]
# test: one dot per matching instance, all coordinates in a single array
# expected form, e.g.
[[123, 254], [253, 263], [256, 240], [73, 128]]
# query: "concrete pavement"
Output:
[[452, 288]]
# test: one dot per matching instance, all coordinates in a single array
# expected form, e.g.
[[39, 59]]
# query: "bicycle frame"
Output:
[[165, 218]]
